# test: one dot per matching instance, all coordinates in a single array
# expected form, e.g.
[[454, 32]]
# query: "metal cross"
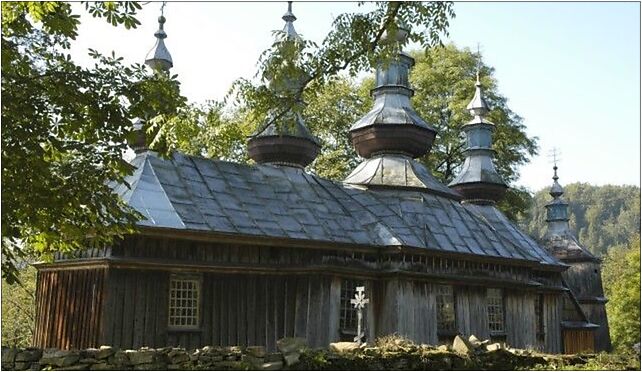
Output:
[[555, 154], [359, 301]]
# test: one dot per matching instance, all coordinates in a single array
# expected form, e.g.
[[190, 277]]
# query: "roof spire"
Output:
[[284, 139], [479, 181], [158, 57], [289, 18], [557, 210]]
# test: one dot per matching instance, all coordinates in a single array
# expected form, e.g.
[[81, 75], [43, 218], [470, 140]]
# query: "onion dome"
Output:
[[393, 126], [478, 182], [284, 139], [159, 58], [392, 134]]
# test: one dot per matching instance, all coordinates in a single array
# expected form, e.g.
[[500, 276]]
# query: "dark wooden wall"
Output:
[[235, 310], [69, 306], [552, 314], [578, 340]]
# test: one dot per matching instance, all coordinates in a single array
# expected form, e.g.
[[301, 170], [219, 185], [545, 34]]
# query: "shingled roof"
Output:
[[193, 193]]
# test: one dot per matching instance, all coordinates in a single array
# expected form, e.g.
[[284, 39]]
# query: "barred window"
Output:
[[184, 301], [495, 306], [539, 314], [348, 316], [445, 309]]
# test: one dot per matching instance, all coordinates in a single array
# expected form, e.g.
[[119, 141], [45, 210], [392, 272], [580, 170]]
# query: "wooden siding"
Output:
[[235, 310], [69, 306], [520, 319], [578, 340], [552, 315], [470, 311]]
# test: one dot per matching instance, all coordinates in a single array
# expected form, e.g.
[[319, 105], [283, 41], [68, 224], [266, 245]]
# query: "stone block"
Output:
[[29, 355], [494, 347], [141, 357], [462, 346], [272, 366], [59, 358], [291, 344], [344, 347], [443, 348], [102, 366], [474, 341], [256, 351], [291, 358], [21, 366], [9, 354], [105, 352], [119, 359]]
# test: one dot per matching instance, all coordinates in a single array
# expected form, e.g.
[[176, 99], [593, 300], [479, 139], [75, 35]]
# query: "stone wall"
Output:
[[387, 354]]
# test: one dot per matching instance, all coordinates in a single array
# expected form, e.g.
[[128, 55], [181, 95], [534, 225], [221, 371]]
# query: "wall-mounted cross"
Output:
[[359, 302]]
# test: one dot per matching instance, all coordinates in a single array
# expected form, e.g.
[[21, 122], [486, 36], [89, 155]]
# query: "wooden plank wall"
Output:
[[69, 304], [552, 314], [520, 319], [136, 309], [471, 311], [417, 319], [235, 310], [578, 340], [596, 313]]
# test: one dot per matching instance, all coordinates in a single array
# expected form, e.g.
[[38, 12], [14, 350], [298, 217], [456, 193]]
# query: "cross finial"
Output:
[[478, 62], [163, 8], [555, 154], [359, 302]]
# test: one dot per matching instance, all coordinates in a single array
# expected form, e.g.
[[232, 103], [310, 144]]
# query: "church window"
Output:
[[348, 315], [184, 301], [445, 310], [495, 306]]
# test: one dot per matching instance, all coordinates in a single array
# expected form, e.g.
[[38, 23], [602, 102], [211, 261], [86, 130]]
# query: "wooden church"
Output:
[[235, 254]]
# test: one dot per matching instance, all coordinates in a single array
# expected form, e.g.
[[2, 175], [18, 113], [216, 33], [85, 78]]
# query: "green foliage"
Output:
[[290, 69], [18, 310], [65, 129], [202, 130], [621, 278], [444, 83], [602, 216]]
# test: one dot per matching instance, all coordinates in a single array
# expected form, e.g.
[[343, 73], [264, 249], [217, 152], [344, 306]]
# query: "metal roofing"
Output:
[[194, 193]]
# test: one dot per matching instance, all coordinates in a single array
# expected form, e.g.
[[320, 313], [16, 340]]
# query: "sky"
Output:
[[571, 70]]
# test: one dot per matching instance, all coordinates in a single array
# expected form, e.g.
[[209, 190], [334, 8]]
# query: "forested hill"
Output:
[[601, 216]]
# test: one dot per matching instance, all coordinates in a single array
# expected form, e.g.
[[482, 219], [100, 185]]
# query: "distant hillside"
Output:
[[601, 216]]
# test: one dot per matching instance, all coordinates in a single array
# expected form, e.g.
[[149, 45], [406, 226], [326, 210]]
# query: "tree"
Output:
[[621, 277], [18, 309], [444, 83], [601, 216], [64, 129]]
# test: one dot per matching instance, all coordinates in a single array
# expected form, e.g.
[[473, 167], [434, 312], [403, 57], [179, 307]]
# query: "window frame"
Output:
[[198, 281], [497, 309], [439, 295], [347, 312]]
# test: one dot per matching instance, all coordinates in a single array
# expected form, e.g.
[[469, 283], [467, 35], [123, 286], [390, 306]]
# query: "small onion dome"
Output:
[[478, 182], [284, 140], [159, 58], [557, 209], [393, 126], [556, 189]]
